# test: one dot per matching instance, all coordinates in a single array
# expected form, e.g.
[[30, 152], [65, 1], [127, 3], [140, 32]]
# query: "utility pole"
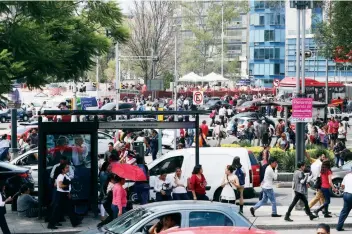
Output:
[[222, 38], [74, 102], [97, 77], [117, 76], [175, 90], [303, 40], [298, 51], [326, 89]]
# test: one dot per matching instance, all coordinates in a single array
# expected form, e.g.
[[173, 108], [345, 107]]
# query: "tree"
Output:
[[334, 35], [201, 53], [57, 39], [151, 24]]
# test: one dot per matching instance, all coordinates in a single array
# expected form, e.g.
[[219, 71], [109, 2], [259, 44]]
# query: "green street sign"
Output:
[[129, 91]]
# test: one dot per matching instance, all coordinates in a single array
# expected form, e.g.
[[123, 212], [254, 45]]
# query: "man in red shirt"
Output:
[[333, 127], [205, 128]]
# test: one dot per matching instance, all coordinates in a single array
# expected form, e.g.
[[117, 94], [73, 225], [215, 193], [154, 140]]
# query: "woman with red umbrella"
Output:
[[119, 198]]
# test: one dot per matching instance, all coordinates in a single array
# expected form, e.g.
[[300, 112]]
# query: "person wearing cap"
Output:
[[267, 188], [347, 200]]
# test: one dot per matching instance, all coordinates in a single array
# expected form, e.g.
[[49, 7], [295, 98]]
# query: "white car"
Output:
[[103, 140], [167, 140], [241, 123]]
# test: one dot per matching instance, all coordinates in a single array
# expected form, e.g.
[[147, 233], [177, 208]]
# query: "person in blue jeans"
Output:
[[141, 188], [267, 188], [347, 201], [154, 144]]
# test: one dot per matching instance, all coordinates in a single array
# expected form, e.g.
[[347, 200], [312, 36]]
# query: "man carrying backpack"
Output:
[[236, 164]]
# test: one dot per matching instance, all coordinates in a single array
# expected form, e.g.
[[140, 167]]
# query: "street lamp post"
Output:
[[175, 91], [222, 39], [117, 76]]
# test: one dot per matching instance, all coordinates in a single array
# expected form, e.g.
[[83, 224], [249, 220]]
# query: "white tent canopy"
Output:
[[191, 77], [214, 77]]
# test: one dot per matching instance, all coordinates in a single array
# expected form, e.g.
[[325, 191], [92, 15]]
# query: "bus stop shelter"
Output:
[[58, 140]]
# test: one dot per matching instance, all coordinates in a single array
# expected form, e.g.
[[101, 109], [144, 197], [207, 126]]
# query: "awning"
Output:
[[191, 77]]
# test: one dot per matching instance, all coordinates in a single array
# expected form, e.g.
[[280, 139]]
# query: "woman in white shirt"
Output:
[[229, 183], [3, 201], [341, 133], [62, 204], [163, 188], [179, 192]]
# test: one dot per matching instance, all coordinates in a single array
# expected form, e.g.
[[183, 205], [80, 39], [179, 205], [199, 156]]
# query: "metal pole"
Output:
[[97, 77], [197, 139], [74, 102], [345, 68], [315, 61], [222, 38], [335, 73], [117, 76], [298, 52], [326, 90], [175, 91], [303, 40], [14, 149]]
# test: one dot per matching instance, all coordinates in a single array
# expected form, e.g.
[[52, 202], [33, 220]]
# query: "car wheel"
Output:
[[217, 194], [25, 118], [2, 119], [337, 184]]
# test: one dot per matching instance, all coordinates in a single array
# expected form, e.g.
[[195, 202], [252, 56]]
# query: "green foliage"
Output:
[[56, 39], [202, 52], [336, 32], [167, 77]]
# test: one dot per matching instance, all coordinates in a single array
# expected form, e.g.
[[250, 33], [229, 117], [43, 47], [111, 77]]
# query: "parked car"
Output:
[[22, 115], [187, 213], [23, 131], [248, 106], [112, 106], [255, 116], [185, 159], [15, 177], [338, 173], [216, 230]]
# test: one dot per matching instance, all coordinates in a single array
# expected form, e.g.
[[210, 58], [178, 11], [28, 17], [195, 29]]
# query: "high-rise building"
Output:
[[315, 66], [266, 41]]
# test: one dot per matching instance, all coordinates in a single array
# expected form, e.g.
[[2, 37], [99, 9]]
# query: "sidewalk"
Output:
[[300, 219], [263, 221]]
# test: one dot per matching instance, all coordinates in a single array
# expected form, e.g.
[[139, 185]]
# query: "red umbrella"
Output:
[[128, 171]]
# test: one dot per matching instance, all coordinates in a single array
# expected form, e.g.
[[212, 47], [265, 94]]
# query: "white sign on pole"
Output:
[[198, 97]]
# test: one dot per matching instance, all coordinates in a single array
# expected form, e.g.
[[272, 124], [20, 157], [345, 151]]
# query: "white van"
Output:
[[213, 160]]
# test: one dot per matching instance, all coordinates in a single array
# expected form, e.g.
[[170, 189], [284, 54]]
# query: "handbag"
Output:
[[167, 189], [66, 182]]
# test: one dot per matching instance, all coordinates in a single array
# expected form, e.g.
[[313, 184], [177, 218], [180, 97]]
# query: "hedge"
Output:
[[286, 159]]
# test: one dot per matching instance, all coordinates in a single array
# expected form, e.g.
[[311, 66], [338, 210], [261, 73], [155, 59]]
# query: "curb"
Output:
[[284, 185], [292, 226]]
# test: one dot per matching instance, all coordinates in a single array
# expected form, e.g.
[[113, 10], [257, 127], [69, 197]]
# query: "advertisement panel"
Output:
[[302, 110]]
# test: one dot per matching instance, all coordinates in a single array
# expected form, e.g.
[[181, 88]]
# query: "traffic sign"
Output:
[[198, 97], [13, 105], [276, 82], [129, 91], [302, 110]]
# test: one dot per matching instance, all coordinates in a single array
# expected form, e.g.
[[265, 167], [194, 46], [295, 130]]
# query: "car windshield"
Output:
[[108, 106], [212, 102], [127, 220]]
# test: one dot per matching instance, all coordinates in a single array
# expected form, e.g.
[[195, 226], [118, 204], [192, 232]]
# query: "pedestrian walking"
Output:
[[333, 127], [154, 147], [222, 114], [3, 224], [180, 183], [212, 116], [197, 184], [300, 188], [142, 187], [241, 175], [229, 184], [119, 198], [326, 184], [267, 187], [347, 200], [279, 129], [316, 180], [338, 153], [63, 204]]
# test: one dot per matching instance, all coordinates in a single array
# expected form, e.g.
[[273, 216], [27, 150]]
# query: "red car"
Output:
[[216, 230], [250, 106], [255, 175]]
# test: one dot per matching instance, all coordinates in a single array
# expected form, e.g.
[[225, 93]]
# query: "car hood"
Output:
[[335, 169], [93, 231]]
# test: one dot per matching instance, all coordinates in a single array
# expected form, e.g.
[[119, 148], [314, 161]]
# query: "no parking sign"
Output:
[[198, 97]]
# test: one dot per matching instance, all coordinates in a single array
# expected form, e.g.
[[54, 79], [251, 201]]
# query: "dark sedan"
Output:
[[22, 115], [112, 106], [215, 104], [15, 177]]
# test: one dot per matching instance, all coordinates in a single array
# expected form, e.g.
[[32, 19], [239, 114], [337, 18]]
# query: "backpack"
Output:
[[241, 177], [315, 183]]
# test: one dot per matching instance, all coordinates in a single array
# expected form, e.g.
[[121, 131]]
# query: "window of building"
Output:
[[259, 4], [261, 20], [261, 53], [269, 35], [277, 68], [277, 53]]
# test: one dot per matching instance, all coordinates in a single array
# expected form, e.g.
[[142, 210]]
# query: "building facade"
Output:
[[266, 41], [315, 66]]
